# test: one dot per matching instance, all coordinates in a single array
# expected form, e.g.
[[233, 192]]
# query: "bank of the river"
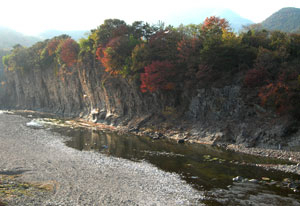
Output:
[[83, 178], [280, 154], [292, 156], [184, 137], [37, 147]]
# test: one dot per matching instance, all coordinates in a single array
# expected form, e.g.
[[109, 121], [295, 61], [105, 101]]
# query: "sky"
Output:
[[32, 17]]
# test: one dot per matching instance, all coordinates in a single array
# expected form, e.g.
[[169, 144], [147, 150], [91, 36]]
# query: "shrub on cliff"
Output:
[[255, 78]]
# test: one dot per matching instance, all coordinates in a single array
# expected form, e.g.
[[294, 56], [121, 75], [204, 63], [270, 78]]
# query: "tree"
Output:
[[116, 56], [52, 46], [68, 52], [163, 45], [188, 58], [110, 29], [158, 75], [294, 46], [257, 39], [190, 31], [140, 57], [214, 26], [141, 30]]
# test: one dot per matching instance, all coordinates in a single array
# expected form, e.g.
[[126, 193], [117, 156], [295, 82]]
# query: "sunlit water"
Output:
[[206, 168]]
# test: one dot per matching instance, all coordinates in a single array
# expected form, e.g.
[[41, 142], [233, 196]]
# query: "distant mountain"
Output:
[[286, 19], [197, 16], [76, 35], [9, 38]]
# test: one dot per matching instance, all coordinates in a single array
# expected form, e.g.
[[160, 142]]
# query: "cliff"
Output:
[[213, 115]]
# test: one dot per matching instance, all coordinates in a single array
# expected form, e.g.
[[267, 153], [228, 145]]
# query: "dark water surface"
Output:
[[206, 168]]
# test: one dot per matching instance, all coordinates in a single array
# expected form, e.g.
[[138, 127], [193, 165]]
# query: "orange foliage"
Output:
[[105, 58], [214, 22], [113, 55]]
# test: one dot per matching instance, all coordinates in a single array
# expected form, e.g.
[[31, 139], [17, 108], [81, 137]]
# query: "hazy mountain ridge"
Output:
[[76, 34], [197, 16], [9, 38], [286, 19]]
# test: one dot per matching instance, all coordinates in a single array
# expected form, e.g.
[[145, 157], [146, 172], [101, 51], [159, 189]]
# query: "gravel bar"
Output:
[[83, 177]]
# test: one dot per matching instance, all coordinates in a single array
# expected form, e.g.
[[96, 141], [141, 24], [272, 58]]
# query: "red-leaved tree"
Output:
[[69, 52], [277, 96], [283, 95], [52, 46], [157, 76]]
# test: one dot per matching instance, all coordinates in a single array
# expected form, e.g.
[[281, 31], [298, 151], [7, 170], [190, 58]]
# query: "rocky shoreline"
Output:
[[280, 154], [184, 137], [291, 156]]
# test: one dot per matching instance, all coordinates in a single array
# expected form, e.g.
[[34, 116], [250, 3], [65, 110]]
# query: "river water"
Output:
[[206, 168]]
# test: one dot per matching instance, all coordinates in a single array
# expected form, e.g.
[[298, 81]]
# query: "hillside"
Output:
[[286, 19], [9, 38], [197, 16]]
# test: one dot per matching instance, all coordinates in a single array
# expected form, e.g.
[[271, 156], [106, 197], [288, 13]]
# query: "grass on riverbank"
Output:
[[11, 188]]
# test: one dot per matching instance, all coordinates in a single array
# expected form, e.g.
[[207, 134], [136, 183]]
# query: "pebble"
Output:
[[237, 179], [265, 178], [253, 180]]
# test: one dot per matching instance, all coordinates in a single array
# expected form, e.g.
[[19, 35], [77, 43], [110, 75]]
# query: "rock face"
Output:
[[215, 104], [217, 115], [230, 115], [79, 93]]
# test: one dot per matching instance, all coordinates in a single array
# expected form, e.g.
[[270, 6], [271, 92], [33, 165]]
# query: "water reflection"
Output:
[[189, 160]]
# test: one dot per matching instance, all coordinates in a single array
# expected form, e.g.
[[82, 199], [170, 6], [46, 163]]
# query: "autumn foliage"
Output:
[[255, 77], [276, 96], [180, 60], [114, 56], [187, 48], [157, 76], [52, 46], [215, 24], [69, 52]]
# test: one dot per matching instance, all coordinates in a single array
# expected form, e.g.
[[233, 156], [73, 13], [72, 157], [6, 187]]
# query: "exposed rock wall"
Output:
[[225, 115], [78, 93], [43, 90]]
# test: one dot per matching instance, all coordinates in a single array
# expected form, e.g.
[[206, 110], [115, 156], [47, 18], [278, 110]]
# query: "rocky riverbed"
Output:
[[82, 178], [34, 154]]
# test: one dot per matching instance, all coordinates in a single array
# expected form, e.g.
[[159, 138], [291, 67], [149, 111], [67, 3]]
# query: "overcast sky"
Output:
[[34, 16]]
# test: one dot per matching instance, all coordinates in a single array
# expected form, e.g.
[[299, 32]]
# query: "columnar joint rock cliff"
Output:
[[215, 115]]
